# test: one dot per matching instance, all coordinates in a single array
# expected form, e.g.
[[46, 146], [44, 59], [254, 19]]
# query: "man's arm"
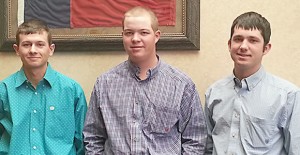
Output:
[[193, 124], [292, 134], [2, 88], [1, 126], [80, 112], [5, 121], [210, 125], [94, 128]]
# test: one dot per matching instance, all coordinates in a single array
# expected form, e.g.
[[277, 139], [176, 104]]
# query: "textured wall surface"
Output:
[[205, 66]]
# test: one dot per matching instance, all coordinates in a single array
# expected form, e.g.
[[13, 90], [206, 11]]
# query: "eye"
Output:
[[237, 39], [26, 45], [128, 33], [40, 44], [144, 33], [253, 40]]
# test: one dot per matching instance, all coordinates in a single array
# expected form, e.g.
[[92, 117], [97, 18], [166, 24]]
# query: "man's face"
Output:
[[139, 39], [247, 48], [34, 49]]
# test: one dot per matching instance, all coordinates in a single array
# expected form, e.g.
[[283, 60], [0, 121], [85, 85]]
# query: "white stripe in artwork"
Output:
[[20, 12]]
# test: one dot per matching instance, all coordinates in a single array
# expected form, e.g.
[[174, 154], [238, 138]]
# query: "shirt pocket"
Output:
[[257, 133], [59, 122], [161, 120]]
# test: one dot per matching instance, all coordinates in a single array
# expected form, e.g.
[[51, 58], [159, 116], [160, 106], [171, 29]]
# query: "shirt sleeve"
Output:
[[2, 112], [292, 134], [5, 122], [210, 126], [94, 129], [192, 124], [1, 118], [80, 112]]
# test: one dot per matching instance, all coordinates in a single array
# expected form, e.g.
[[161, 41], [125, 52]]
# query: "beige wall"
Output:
[[209, 64]]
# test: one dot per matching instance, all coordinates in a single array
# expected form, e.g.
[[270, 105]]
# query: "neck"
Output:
[[242, 73], [145, 66], [35, 75]]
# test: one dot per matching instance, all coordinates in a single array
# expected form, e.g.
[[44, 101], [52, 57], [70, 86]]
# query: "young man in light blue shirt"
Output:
[[251, 111]]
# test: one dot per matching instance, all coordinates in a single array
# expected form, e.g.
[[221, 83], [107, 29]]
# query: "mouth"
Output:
[[243, 55], [33, 58], [135, 47]]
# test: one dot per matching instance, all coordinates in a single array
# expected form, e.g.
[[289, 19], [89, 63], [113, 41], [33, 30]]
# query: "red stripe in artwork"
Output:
[[109, 13]]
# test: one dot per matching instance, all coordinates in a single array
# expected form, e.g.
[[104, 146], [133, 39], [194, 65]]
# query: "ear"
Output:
[[157, 35], [16, 48], [229, 44], [267, 48], [52, 47]]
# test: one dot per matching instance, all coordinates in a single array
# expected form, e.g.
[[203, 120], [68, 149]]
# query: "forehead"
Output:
[[137, 22], [37, 36], [241, 32]]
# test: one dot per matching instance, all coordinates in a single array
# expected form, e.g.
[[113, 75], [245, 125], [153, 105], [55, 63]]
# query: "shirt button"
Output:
[[134, 139], [34, 111], [34, 147], [233, 135], [35, 93], [236, 115], [267, 141], [52, 108], [33, 129]]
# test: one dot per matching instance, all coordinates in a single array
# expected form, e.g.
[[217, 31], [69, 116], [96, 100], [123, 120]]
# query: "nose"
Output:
[[244, 45], [135, 37], [33, 49]]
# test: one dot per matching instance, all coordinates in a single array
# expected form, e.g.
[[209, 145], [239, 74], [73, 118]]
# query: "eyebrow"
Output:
[[32, 42], [137, 30], [241, 36]]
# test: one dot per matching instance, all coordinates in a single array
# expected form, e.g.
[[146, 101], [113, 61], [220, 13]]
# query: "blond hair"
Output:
[[140, 11]]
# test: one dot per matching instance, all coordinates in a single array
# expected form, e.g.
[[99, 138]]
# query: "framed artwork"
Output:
[[184, 35]]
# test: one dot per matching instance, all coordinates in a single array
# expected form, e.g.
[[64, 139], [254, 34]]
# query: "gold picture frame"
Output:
[[185, 35]]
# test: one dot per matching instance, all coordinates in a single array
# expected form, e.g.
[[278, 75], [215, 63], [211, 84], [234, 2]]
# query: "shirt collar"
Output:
[[135, 70], [49, 76], [20, 78], [252, 80]]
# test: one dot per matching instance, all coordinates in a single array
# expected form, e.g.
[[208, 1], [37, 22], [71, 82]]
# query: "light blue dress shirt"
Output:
[[254, 116], [45, 120]]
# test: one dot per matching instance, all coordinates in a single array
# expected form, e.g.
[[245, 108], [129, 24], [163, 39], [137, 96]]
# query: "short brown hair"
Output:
[[33, 26], [253, 20]]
